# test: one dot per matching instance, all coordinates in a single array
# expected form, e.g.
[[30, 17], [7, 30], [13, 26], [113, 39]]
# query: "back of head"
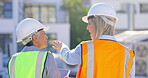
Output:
[[103, 17], [26, 28], [102, 28]]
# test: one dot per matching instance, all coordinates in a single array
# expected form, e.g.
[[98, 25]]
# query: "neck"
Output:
[[36, 44]]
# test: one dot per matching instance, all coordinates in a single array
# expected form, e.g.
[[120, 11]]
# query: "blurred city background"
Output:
[[64, 19]]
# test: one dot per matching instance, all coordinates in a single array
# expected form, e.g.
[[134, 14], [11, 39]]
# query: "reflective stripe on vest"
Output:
[[90, 60], [90, 68], [127, 55], [12, 74], [37, 64]]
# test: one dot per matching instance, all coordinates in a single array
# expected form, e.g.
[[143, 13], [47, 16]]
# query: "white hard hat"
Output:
[[101, 9], [28, 26]]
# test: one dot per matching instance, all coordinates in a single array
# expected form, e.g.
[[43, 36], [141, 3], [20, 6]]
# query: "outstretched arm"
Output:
[[69, 56]]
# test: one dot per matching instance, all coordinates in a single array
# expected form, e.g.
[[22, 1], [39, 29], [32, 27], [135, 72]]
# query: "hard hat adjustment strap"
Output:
[[29, 38], [25, 41], [107, 21]]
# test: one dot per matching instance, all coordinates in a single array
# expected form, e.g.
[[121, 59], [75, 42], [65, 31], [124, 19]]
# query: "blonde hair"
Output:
[[101, 27]]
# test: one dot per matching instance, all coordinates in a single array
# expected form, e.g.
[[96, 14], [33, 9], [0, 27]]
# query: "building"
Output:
[[131, 14], [48, 12]]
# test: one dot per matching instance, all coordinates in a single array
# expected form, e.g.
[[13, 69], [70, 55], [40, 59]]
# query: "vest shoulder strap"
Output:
[[86, 41], [49, 51]]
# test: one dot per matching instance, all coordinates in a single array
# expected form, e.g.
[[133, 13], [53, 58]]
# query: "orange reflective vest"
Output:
[[105, 59]]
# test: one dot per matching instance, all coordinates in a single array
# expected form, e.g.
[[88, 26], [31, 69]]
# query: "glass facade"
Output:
[[5, 9], [1, 8], [45, 13], [124, 7], [6, 44], [144, 8], [8, 10]]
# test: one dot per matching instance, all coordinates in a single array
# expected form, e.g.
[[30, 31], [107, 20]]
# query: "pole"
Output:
[[130, 16], [15, 19]]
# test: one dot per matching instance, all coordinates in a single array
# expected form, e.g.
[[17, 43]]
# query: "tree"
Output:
[[76, 11]]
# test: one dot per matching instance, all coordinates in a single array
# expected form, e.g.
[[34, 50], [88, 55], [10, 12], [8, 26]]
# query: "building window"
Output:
[[8, 10], [122, 8], [144, 8], [45, 13], [1, 8], [5, 9], [125, 7], [6, 43]]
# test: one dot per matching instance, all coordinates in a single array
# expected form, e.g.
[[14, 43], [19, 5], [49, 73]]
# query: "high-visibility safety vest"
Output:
[[27, 64], [105, 59]]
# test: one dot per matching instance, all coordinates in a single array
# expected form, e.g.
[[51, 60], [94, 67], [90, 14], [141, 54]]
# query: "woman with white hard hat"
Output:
[[103, 56]]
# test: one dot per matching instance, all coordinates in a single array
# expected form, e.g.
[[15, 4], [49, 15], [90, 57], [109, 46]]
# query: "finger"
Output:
[[55, 47], [55, 43]]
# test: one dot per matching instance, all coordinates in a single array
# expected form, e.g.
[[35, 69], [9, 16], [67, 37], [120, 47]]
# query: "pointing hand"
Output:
[[56, 44]]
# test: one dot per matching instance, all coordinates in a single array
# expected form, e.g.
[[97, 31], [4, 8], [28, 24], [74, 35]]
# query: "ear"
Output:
[[34, 38]]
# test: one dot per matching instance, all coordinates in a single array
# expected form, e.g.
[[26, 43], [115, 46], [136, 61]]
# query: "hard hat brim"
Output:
[[46, 28], [84, 19]]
